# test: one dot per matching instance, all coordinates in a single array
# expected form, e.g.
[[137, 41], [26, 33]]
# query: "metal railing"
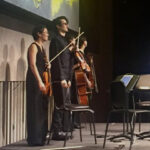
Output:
[[12, 111]]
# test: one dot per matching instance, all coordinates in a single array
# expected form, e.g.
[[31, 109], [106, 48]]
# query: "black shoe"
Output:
[[67, 130], [59, 136], [76, 126]]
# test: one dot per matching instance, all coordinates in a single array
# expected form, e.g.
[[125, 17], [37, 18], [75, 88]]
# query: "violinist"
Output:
[[37, 111], [61, 72]]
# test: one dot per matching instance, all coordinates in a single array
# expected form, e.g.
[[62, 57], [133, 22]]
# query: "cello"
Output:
[[82, 81], [92, 74]]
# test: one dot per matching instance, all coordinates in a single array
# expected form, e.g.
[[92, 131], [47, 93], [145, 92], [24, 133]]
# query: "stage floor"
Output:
[[88, 140]]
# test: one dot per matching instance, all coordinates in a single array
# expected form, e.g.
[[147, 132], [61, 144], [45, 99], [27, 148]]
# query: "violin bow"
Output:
[[65, 48], [78, 38]]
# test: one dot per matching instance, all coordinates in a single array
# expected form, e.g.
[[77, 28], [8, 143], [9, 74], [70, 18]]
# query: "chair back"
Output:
[[119, 95], [121, 88]]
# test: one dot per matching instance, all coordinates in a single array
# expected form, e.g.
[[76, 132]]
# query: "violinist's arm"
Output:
[[32, 59]]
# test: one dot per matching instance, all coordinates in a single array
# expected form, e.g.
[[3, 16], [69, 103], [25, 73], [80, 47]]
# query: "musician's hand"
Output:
[[77, 49], [73, 42], [69, 83], [48, 65], [76, 66], [89, 84], [41, 86], [64, 83]]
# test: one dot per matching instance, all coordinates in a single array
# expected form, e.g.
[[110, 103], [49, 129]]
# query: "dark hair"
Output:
[[81, 40], [36, 30], [70, 36], [57, 21]]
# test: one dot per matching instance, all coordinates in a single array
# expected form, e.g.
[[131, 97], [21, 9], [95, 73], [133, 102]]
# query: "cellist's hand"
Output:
[[76, 66], [41, 86], [89, 84], [64, 84]]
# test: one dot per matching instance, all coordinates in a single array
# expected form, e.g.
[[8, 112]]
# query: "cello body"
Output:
[[81, 87], [84, 79]]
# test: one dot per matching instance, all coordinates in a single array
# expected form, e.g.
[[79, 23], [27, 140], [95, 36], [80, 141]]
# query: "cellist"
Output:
[[77, 66], [82, 60]]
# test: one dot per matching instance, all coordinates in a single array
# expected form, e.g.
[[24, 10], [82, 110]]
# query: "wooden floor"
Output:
[[88, 140]]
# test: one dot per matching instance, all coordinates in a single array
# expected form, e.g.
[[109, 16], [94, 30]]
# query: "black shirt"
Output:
[[62, 66]]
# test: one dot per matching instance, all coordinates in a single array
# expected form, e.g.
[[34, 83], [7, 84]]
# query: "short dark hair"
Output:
[[81, 40], [57, 21], [36, 30], [70, 36]]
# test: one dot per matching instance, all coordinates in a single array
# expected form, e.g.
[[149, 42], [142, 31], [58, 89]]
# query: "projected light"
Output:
[[70, 2], [37, 3], [51, 9], [57, 4]]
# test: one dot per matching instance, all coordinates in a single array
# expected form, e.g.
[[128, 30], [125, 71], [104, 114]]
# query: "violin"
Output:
[[47, 79]]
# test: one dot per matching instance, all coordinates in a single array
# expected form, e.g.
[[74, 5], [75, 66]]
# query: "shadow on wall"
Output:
[[5, 68], [12, 60], [21, 64], [5, 74]]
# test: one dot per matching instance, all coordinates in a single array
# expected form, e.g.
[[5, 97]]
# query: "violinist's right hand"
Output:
[[48, 65], [64, 84], [41, 86]]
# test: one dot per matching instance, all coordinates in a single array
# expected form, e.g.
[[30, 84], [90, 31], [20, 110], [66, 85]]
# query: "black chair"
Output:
[[71, 108], [143, 94], [81, 109], [119, 105], [121, 97]]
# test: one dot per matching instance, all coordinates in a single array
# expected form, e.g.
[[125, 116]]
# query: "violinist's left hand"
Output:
[[48, 65]]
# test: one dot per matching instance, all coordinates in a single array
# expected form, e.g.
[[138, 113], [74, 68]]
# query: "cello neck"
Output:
[[94, 75]]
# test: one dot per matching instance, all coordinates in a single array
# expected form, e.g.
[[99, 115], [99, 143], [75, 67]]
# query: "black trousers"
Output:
[[74, 100], [61, 120]]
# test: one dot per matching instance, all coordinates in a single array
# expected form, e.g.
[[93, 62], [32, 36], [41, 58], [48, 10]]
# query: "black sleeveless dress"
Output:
[[37, 108]]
